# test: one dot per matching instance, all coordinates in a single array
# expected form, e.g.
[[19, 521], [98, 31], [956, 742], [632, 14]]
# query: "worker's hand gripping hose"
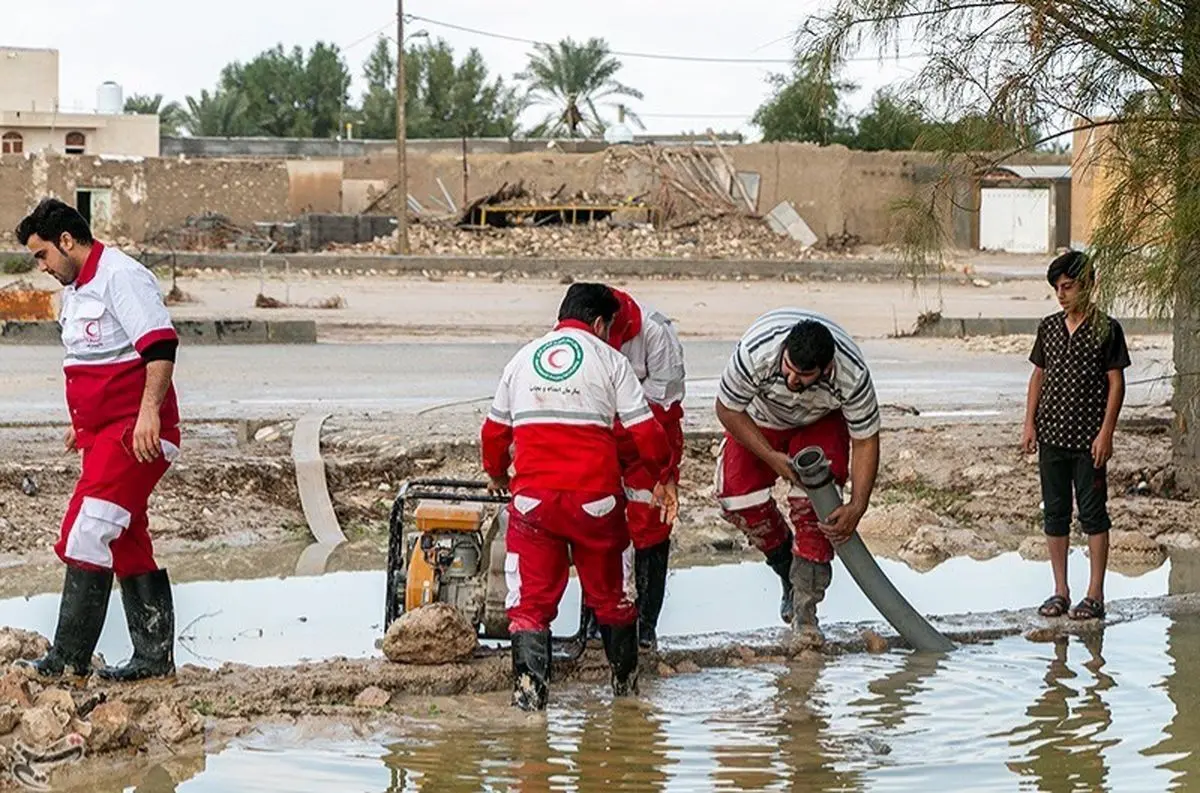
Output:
[[813, 469]]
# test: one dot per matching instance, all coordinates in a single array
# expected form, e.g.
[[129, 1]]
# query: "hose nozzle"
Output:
[[812, 466]]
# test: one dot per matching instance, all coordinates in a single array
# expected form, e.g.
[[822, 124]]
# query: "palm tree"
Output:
[[573, 78], [170, 116], [220, 114]]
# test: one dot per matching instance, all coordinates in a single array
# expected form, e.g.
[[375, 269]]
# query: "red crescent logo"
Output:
[[92, 330], [551, 356]]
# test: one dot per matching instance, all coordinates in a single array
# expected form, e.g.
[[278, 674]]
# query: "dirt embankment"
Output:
[[943, 491]]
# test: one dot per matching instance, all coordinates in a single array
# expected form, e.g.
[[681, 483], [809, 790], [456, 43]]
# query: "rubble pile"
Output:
[[43, 726], [729, 237], [206, 232]]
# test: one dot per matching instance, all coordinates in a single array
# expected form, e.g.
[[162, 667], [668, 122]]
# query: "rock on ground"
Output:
[[434, 634], [173, 723], [932, 545], [112, 727], [372, 697], [42, 726], [896, 521], [874, 642], [16, 644], [14, 690]]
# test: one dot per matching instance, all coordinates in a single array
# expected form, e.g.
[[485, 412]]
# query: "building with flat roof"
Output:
[[32, 121]]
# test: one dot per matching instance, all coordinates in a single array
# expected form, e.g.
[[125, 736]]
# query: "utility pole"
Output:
[[401, 141]]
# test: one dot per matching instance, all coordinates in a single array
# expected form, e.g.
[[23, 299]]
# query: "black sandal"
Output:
[[1088, 609], [1054, 606]]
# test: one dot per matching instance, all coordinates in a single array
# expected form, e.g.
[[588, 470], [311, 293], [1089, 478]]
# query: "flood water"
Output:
[[1119, 711], [276, 621], [1115, 712]]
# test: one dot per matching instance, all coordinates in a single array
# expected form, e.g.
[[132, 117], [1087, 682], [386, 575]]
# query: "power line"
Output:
[[695, 115], [373, 33], [647, 55]]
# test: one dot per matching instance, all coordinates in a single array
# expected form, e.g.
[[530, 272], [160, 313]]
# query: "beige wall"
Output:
[[28, 79], [147, 195], [833, 188], [125, 135], [1091, 182]]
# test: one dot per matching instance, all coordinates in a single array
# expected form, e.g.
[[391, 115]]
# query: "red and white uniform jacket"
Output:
[[554, 411], [109, 316], [647, 338]]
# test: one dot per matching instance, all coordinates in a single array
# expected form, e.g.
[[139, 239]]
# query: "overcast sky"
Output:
[[149, 46]]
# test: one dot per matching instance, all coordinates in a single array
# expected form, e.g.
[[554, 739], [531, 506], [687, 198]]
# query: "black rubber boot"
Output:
[[80, 619], [780, 560], [531, 669], [589, 628], [651, 568], [621, 647], [150, 612]]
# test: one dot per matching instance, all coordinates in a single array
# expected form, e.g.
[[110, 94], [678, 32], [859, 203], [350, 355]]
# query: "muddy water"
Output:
[[1112, 712], [276, 621]]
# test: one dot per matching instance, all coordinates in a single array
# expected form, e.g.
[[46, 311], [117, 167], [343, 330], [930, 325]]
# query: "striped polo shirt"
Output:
[[754, 383]]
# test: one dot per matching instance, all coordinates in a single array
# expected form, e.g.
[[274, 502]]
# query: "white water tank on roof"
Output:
[[110, 99]]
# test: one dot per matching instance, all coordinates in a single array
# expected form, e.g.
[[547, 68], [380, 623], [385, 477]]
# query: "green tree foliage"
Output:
[[572, 79], [443, 98], [1126, 73], [170, 115], [220, 114], [290, 94], [805, 106]]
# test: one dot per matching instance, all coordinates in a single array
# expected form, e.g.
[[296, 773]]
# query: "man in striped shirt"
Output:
[[796, 379]]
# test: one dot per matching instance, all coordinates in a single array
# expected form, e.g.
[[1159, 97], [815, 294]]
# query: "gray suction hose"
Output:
[[813, 469]]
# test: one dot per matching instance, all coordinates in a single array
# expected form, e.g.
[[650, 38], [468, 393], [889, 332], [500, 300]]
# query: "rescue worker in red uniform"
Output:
[[796, 379], [648, 340], [120, 359], [552, 422]]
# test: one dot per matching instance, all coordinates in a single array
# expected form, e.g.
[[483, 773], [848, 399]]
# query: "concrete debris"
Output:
[[434, 634], [15, 644], [42, 726], [209, 231], [10, 717], [785, 220], [113, 728], [729, 237], [173, 723]]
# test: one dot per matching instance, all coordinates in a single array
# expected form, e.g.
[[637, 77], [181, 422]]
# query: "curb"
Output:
[[956, 327], [221, 331]]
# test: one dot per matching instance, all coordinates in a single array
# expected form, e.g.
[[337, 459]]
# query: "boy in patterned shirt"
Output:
[[1075, 396]]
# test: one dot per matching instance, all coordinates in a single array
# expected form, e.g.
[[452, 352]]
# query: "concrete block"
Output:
[[241, 331], [785, 220], [983, 326], [297, 331], [196, 331], [944, 328]]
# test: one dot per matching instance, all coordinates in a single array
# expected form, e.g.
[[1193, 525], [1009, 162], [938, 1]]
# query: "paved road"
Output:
[[381, 379]]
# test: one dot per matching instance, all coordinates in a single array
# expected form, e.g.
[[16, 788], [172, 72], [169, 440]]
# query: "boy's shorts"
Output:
[[1063, 471]]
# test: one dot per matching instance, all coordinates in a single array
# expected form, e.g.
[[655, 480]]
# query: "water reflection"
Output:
[[1069, 720], [1111, 711]]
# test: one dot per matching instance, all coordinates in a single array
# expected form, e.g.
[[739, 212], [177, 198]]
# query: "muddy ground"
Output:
[[944, 490]]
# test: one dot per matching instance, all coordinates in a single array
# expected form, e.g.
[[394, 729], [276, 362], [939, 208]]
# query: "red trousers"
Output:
[[646, 526], [744, 485], [548, 530], [106, 526]]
